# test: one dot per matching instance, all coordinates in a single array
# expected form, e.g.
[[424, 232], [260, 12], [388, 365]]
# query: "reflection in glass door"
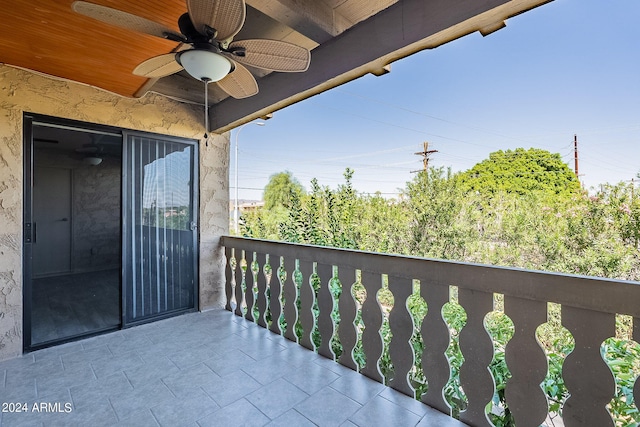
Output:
[[72, 212], [159, 233]]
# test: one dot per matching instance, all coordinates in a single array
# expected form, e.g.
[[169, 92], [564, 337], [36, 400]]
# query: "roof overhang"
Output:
[[371, 46], [347, 39]]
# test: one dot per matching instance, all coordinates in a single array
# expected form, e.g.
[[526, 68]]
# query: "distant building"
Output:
[[250, 206], [246, 205]]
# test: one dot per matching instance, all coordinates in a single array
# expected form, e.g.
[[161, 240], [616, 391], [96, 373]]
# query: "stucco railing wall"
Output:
[[588, 311]]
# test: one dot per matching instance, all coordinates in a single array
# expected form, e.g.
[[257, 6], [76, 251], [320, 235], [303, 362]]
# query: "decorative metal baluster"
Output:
[[348, 309], [249, 279], [228, 284], [307, 300], [435, 337], [372, 319], [261, 300], [239, 298], [325, 308], [588, 378], [402, 327], [290, 300], [275, 292], [477, 349], [526, 361]]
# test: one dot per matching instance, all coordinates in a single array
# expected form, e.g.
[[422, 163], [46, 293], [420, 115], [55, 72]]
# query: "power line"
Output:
[[425, 153], [406, 128], [401, 108]]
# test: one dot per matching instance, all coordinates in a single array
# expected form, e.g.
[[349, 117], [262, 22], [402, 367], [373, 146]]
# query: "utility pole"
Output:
[[575, 154], [425, 156]]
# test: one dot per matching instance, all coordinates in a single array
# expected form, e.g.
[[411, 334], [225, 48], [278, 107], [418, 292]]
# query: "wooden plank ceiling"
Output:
[[47, 36], [348, 38]]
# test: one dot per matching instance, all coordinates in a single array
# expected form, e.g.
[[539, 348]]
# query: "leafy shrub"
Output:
[[542, 225]]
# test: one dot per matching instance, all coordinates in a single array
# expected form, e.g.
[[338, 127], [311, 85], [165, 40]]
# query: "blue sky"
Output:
[[568, 67]]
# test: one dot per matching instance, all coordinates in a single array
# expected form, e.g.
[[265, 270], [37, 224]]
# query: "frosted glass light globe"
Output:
[[204, 65]]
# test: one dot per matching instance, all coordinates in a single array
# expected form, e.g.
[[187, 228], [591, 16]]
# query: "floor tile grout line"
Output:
[[212, 398], [302, 415], [64, 368], [70, 397], [175, 396], [35, 383], [168, 388], [409, 397], [73, 402], [113, 409], [154, 417], [35, 387], [304, 391], [95, 377], [257, 409], [129, 380]]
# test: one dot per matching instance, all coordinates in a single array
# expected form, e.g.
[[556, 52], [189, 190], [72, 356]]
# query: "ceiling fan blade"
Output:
[[239, 83], [225, 16], [272, 55], [88, 149], [124, 20], [158, 66]]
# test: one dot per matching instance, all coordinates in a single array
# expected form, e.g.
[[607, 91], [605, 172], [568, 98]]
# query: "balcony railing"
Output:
[[312, 296]]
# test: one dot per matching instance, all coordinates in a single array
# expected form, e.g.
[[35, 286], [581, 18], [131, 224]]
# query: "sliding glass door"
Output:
[[72, 222], [159, 227], [110, 235]]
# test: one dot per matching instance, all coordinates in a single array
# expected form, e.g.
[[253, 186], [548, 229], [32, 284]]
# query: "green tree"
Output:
[[264, 224], [280, 190], [383, 225], [435, 205], [522, 172], [324, 217], [537, 221]]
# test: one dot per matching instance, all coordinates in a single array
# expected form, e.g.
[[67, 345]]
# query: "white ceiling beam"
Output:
[[311, 18], [398, 31]]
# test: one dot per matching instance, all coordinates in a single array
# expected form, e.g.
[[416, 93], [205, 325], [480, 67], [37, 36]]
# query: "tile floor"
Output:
[[199, 369]]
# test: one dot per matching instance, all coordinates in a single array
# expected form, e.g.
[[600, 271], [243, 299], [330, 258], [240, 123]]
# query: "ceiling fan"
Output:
[[93, 152], [207, 51]]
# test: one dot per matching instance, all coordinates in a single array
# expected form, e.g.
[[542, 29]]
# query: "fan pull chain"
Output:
[[206, 110]]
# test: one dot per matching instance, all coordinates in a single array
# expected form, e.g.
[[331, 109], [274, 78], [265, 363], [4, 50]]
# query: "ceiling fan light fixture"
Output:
[[92, 160], [204, 65]]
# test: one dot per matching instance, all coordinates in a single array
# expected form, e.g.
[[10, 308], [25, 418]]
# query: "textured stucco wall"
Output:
[[22, 91], [214, 218], [96, 216]]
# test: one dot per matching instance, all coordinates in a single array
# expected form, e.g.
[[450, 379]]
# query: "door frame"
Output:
[[125, 221], [31, 119]]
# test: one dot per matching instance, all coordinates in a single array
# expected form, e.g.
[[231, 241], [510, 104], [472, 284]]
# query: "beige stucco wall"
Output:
[[22, 91]]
